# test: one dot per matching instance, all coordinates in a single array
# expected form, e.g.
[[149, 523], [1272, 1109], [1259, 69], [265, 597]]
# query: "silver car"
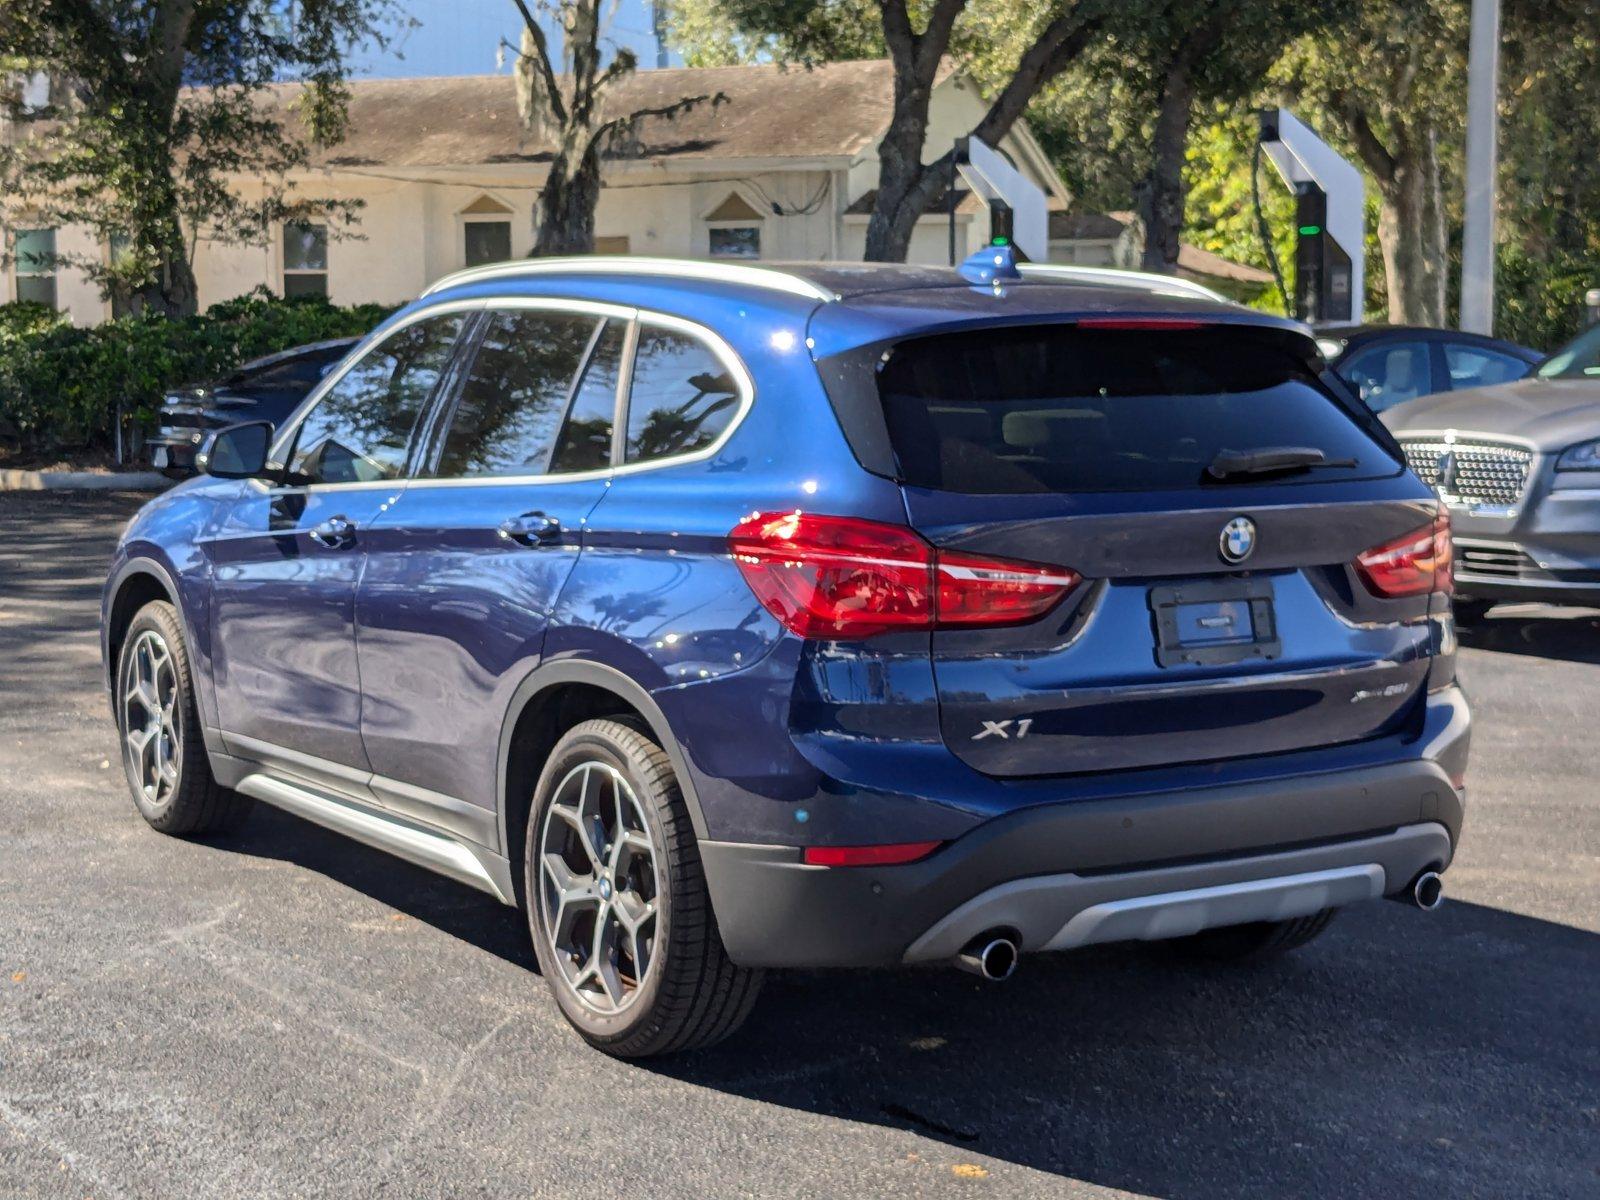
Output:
[[1519, 466]]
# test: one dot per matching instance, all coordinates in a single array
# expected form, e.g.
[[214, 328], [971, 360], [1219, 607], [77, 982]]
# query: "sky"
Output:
[[459, 37]]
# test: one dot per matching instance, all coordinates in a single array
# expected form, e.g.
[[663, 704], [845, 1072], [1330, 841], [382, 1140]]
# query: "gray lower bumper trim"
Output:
[[1058, 912]]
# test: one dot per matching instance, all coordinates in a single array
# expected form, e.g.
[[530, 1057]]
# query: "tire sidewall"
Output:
[[147, 620], [578, 747]]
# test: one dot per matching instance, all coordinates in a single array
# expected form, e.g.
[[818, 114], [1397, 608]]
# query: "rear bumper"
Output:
[[1040, 869]]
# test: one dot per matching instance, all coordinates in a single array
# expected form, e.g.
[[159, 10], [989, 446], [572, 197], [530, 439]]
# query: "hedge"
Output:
[[61, 386], [1540, 302]]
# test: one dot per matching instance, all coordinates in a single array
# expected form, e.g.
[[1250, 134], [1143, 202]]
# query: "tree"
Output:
[[1202, 52], [156, 113], [1392, 80], [575, 119], [1039, 42]]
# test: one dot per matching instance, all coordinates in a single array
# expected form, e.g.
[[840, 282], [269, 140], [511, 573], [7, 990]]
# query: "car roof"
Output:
[[267, 360], [1360, 335], [822, 281], [852, 302]]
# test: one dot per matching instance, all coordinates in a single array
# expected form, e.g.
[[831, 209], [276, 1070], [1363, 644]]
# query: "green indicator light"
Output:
[[1310, 230], [1000, 241]]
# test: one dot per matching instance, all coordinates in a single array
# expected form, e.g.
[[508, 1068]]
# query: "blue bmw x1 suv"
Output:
[[730, 617]]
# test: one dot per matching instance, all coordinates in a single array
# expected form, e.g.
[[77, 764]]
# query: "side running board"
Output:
[[384, 831]]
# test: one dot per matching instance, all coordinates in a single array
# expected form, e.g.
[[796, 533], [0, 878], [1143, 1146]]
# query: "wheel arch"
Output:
[[554, 697], [136, 583]]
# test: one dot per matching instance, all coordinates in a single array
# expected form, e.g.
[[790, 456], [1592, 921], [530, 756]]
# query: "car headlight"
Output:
[[1585, 456]]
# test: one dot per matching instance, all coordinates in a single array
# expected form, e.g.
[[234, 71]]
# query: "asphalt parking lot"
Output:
[[284, 1013]]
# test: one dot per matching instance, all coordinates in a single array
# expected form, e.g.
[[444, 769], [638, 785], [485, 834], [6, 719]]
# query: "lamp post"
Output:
[[1477, 241]]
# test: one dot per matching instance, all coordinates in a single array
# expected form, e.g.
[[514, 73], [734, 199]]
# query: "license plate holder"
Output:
[[1214, 622]]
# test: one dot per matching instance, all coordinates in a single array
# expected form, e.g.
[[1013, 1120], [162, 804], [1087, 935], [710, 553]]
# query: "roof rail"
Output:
[[627, 264], [1145, 279]]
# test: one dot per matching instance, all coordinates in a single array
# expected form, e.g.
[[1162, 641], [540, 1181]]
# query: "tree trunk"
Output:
[[1162, 193], [902, 185], [174, 291], [566, 207], [1411, 232]]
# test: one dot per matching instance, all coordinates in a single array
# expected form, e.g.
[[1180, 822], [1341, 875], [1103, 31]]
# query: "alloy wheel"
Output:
[[600, 887], [152, 716]]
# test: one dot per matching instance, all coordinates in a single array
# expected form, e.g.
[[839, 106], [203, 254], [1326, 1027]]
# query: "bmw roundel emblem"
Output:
[[1238, 540]]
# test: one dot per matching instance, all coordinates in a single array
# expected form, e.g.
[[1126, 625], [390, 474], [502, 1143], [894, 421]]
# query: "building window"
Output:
[[733, 229], [736, 241], [487, 241], [485, 232], [305, 259], [36, 266]]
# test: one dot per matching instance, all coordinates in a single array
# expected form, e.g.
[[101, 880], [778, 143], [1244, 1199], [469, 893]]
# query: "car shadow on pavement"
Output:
[[1401, 1051], [453, 908], [1537, 631]]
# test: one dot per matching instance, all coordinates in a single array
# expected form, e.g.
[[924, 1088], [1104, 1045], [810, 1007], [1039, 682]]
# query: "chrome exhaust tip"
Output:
[[990, 955], [1426, 892]]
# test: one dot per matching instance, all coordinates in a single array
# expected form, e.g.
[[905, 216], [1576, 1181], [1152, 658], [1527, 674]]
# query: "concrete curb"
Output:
[[50, 481]]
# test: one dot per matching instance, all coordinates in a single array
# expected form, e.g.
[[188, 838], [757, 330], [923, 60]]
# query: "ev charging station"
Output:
[[1330, 219], [1018, 213]]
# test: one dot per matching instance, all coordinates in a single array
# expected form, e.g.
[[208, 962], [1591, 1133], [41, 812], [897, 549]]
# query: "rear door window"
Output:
[[515, 395], [584, 443], [1063, 409], [1390, 373], [1477, 366]]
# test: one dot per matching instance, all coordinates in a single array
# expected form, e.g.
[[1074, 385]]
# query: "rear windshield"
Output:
[[1064, 409]]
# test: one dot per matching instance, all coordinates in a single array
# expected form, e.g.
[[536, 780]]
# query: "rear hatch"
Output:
[[1087, 446]]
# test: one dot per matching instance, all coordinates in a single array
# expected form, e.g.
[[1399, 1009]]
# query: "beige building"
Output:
[[781, 166]]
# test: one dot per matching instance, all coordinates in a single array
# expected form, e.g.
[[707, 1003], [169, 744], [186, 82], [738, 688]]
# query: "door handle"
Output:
[[530, 529], [335, 533]]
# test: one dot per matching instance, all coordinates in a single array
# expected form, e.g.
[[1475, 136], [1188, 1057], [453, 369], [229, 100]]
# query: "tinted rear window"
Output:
[[1062, 409]]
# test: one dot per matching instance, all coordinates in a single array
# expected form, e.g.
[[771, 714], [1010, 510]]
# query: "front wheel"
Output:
[[163, 751], [617, 901]]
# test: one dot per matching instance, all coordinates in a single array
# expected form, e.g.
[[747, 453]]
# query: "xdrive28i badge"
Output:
[[1238, 540]]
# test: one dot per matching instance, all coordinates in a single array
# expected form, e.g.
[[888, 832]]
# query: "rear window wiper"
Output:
[[1230, 463]]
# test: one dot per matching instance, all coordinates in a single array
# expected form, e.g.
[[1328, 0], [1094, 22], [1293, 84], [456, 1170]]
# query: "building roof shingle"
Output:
[[768, 111]]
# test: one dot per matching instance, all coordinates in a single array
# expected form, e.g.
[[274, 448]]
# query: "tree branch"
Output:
[[1058, 46], [935, 40], [1378, 158], [542, 61]]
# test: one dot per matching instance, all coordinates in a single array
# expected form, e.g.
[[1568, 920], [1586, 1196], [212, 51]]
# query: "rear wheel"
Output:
[[617, 901], [163, 751], [1251, 943]]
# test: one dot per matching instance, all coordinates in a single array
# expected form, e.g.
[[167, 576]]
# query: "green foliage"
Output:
[[128, 151], [1539, 300], [721, 33], [61, 386], [1221, 212]]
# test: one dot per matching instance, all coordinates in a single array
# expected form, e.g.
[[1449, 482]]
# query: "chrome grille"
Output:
[[1496, 561], [1479, 472]]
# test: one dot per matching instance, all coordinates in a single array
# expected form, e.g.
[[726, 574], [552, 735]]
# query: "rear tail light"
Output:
[[1413, 564], [868, 856], [840, 577]]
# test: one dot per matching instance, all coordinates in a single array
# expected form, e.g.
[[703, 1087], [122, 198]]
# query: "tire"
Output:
[[163, 750], [1251, 943], [1471, 610], [610, 778]]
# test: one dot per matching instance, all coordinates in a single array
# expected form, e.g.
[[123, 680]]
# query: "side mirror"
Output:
[[236, 452]]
